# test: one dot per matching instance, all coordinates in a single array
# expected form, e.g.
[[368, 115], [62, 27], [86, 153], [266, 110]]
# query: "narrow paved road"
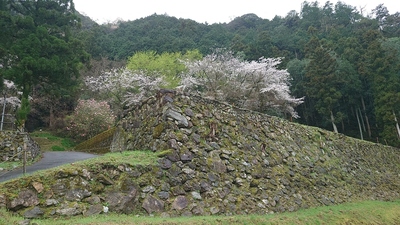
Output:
[[49, 160]]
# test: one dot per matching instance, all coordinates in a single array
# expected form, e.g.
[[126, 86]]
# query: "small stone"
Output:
[[25, 198], [104, 180], [93, 200], [86, 174], [173, 144], [3, 200], [188, 171], [36, 212], [151, 204], [77, 194], [196, 138], [196, 195], [189, 112], [50, 202], [24, 222], [214, 145], [186, 156], [94, 210], [73, 211], [163, 195], [180, 203], [214, 210], [148, 189], [165, 163]]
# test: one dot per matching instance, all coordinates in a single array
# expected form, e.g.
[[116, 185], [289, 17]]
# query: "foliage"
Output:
[[257, 85], [42, 49], [167, 65], [38, 49], [89, 118], [23, 111], [122, 87]]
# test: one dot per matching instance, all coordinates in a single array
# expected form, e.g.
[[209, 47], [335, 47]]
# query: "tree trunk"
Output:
[[359, 126], [362, 120], [51, 117], [397, 125], [333, 123], [366, 118]]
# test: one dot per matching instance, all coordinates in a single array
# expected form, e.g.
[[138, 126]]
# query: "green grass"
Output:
[[126, 157], [9, 165], [50, 142], [57, 148], [368, 212]]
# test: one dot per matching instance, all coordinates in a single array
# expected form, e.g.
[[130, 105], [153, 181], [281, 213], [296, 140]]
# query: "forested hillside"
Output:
[[345, 63]]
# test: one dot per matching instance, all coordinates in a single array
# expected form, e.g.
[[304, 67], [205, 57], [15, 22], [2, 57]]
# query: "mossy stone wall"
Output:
[[214, 159], [12, 144], [240, 161]]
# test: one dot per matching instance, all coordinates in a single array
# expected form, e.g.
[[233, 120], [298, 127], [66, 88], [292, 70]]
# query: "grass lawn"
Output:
[[368, 212]]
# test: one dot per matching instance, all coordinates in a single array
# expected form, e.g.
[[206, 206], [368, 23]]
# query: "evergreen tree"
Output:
[[323, 85], [42, 50]]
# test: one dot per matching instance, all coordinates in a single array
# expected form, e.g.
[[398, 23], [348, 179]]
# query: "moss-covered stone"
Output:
[[158, 130]]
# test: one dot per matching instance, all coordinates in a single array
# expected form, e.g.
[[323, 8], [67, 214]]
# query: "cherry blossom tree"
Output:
[[11, 104], [122, 87], [257, 85], [11, 95], [89, 119]]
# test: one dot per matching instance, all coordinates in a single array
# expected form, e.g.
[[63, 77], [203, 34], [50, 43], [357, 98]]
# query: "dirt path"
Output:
[[49, 160]]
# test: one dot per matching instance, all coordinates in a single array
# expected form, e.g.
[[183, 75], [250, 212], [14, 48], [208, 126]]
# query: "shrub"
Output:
[[89, 118]]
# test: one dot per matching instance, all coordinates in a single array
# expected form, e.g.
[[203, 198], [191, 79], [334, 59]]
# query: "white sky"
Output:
[[210, 11]]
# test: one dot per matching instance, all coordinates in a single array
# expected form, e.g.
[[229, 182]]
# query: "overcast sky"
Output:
[[210, 11]]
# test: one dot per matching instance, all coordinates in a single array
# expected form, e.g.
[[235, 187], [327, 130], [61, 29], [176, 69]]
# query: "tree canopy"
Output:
[[38, 46]]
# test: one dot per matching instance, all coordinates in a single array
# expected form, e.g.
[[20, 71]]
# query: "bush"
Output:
[[89, 118]]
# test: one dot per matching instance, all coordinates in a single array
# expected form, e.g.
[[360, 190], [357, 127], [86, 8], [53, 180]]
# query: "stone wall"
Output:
[[12, 144], [216, 159], [241, 161]]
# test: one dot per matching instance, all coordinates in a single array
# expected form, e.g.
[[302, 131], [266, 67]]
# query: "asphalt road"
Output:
[[49, 160]]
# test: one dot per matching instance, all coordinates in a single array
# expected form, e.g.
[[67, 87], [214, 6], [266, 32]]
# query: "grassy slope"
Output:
[[49, 142]]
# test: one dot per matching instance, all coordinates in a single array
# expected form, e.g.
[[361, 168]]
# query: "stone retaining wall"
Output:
[[215, 159], [12, 144]]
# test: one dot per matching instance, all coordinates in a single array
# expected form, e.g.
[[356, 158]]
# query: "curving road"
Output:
[[49, 160]]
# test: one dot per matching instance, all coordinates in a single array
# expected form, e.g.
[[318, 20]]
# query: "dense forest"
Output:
[[344, 61]]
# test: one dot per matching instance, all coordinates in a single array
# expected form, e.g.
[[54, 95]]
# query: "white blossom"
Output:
[[256, 85], [124, 87], [12, 95]]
